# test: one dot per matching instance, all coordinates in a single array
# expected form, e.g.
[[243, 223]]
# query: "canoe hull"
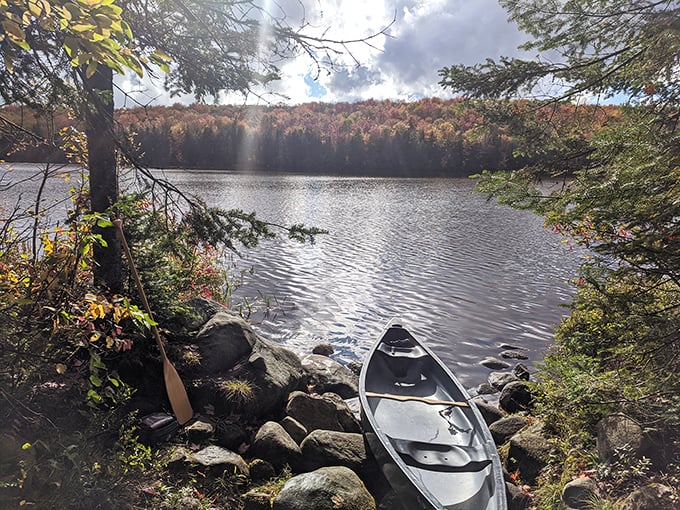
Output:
[[434, 454]]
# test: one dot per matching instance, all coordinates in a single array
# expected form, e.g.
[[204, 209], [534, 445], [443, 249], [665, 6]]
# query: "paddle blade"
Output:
[[179, 401]]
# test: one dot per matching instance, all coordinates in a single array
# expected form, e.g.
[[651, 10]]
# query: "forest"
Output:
[[430, 137]]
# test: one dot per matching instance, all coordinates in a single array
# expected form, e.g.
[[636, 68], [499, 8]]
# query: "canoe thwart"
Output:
[[426, 400]]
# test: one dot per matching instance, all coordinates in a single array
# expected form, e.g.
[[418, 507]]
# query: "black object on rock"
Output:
[[157, 428]]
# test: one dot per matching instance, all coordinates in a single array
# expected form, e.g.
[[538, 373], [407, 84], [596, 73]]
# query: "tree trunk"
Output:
[[103, 175]]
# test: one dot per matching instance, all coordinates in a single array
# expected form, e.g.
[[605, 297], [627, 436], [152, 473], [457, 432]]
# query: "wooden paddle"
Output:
[[177, 394], [404, 398]]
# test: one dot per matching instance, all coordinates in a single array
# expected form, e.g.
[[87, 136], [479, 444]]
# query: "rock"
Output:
[[326, 374], [510, 347], [323, 349], [231, 435], [617, 433], [219, 459], [322, 448], [230, 349], [295, 429], [199, 431], [513, 355], [515, 396], [202, 310], [489, 412], [273, 444], [494, 364], [499, 379], [486, 389], [355, 367], [330, 488], [223, 341], [261, 470], [506, 427], [529, 454], [521, 371], [579, 493], [345, 414], [650, 497], [256, 499], [517, 499], [313, 412]]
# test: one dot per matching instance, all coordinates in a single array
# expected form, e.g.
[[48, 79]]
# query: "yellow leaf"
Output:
[[61, 368], [110, 342], [96, 335]]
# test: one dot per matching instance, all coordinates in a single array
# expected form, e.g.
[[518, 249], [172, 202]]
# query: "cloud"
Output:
[[401, 64]]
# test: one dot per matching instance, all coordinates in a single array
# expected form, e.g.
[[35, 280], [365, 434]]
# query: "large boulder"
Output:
[[529, 453], [228, 349], [323, 448], [654, 496], [619, 433], [489, 412], [326, 412], [273, 444], [326, 374], [579, 493], [328, 488], [515, 396], [503, 429]]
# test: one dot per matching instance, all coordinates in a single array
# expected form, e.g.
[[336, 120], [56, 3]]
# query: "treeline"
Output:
[[428, 137]]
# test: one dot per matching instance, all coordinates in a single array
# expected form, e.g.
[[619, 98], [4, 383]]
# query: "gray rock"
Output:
[[510, 347], [344, 413], [529, 454], [231, 435], [486, 389], [617, 433], [490, 413], [515, 396], [330, 488], [579, 493], [261, 470], [230, 349], [521, 371], [499, 379], [273, 444], [654, 496], [313, 412], [326, 374], [494, 364], [506, 427], [223, 341], [199, 431], [219, 459], [256, 499], [323, 349], [202, 310], [513, 355], [295, 429], [517, 499], [323, 448]]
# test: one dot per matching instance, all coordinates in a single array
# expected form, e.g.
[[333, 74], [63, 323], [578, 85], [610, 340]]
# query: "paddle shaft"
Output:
[[405, 398], [179, 401]]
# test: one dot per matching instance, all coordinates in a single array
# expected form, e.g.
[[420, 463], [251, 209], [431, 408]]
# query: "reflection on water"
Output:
[[464, 273]]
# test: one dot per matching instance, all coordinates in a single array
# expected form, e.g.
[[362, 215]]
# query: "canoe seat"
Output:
[[406, 364], [440, 457]]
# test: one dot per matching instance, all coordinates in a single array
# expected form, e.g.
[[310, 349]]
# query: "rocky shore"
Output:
[[286, 427], [301, 414]]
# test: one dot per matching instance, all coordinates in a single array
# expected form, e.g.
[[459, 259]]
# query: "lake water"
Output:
[[464, 273]]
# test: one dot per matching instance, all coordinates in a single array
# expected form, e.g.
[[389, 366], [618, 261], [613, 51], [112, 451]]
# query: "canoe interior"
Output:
[[445, 453]]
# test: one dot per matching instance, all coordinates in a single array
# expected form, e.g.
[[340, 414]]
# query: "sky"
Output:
[[422, 37]]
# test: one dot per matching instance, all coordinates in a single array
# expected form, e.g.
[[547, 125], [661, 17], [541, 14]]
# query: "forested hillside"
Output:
[[424, 138]]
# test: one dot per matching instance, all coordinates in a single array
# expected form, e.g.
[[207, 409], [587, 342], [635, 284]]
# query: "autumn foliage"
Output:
[[430, 137]]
